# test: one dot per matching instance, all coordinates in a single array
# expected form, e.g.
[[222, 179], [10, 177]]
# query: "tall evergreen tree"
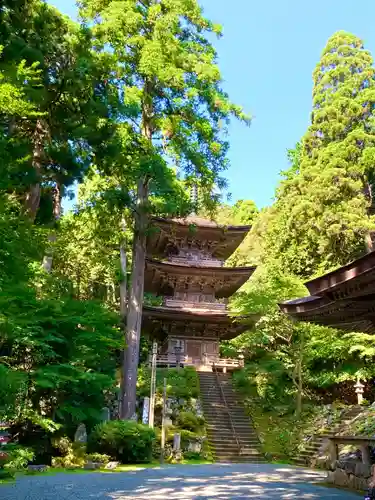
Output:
[[173, 87], [321, 216]]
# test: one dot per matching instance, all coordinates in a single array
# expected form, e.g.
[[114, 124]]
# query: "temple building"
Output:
[[185, 267], [341, 299]]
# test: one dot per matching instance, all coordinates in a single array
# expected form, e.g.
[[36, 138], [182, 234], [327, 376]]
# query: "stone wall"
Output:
[[350, 474]]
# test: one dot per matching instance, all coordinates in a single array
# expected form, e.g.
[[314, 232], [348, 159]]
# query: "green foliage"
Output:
[[98, 457], [14, 458], [364, 425], [192, 455], [72, 454], [188, 420], [320, 218], [180, 383], [64, 343], [187, 436], [123, 440]]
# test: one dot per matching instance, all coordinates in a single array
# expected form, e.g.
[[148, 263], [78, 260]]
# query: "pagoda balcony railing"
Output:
[[201, 261], [186, 304], [205, 360]]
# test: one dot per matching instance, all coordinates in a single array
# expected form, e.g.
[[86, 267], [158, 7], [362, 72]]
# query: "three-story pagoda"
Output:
[[185, 266]]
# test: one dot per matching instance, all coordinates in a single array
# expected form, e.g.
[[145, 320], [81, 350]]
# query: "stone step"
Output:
[[231, 439], [239, 459], [246, 440], [222, 435], [219, 423]]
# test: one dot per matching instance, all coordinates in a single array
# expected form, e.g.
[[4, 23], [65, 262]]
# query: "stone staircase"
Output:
[[308, 455], [229, 430]]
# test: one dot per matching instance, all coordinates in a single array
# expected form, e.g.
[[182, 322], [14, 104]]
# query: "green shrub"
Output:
[[192, 455], [190, 421], [14, 458], [123, 440], [72, 454], [98, 457], [188, 436]]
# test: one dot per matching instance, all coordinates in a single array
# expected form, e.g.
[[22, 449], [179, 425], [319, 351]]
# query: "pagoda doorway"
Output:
[[194, 351]]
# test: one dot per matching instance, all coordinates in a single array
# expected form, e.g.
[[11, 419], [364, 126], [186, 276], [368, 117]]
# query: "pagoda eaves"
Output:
[[217, 241], [165, 278], [342, 299], [194, 323]]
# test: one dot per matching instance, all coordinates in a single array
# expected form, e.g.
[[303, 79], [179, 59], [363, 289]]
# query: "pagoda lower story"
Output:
[[186, 270]]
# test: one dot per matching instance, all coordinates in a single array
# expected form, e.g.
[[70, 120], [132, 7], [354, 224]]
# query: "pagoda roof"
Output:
[[223, 240], [344, 298], [161, 321], [162, 277]]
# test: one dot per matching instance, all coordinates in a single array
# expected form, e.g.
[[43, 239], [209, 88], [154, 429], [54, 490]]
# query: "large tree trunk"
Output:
[[32, 199], [123, 306], [135, 303], [57, 202], [134, 309], [123, 263]]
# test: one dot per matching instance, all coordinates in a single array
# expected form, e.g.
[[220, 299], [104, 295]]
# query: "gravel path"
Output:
[[198, 482]]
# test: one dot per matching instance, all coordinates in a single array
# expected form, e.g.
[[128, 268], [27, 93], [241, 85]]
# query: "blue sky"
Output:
[[267, 55]]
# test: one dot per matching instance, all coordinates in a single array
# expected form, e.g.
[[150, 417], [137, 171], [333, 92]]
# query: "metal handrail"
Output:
[[227, 408]]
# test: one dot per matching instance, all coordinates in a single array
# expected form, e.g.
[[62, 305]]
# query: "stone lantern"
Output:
[[359, 391]]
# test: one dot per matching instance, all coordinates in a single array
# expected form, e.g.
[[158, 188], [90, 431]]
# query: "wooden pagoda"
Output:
[[341, 299], [185, 266]]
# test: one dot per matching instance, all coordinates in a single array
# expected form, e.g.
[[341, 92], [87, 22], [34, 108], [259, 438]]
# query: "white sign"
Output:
[[146, 407]]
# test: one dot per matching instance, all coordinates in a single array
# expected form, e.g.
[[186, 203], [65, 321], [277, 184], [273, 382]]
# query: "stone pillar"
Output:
[[106, 414], [359, 391], [177, 442]]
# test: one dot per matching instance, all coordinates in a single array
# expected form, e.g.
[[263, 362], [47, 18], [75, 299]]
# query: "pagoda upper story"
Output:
[[194, 239], [190, 271]]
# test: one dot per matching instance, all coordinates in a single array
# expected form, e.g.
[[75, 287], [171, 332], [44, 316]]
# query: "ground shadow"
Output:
[[201, 482]]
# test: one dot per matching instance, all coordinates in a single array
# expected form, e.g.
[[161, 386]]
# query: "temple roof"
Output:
[[169, 233], [355, 278], [164, 277], [190, 322], [344, 298]]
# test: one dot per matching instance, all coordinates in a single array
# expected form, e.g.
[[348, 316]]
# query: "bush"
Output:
[[190, 421], [192, 455], [72, 454], [187, 437], [123, 440], [98, 458], [14, 458]]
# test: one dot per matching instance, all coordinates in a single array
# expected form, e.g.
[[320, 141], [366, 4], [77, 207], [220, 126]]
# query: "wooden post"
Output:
[[333, 451], [153, 385], [365, 451], [162, 445]]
